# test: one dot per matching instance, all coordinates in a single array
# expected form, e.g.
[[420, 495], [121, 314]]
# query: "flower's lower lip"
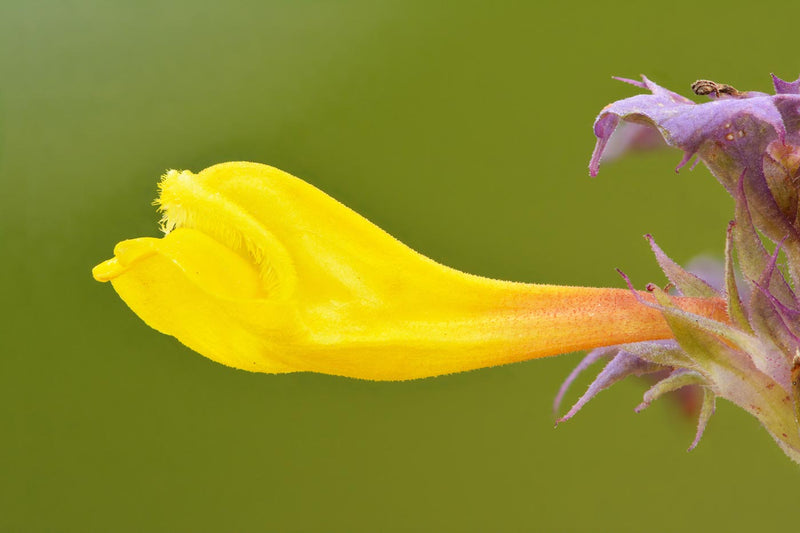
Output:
[[107, 270], [126, 253], [189, 253]]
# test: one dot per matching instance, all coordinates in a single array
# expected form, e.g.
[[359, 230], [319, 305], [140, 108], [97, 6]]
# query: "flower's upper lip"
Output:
[[187, 202], [207, 233]]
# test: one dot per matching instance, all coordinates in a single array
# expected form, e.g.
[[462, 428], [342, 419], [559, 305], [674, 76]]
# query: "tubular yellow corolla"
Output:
[[261, 271]]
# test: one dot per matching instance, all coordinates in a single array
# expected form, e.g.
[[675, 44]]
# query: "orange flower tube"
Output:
[[261, 271]]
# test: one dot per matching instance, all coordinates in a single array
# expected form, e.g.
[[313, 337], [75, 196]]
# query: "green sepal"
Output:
[[732, 374], [677, 380], [735, 307]]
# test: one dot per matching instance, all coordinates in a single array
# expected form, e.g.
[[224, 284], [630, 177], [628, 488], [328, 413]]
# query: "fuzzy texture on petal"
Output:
[[261, 271]]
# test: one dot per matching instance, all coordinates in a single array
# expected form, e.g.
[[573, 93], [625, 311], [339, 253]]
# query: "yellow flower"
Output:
[[261, 271]]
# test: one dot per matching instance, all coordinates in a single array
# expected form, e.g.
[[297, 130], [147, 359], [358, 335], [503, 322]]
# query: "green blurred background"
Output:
[[462, 128]]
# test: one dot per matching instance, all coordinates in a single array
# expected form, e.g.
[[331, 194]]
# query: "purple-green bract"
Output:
[[750, 141], [723, 123]]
